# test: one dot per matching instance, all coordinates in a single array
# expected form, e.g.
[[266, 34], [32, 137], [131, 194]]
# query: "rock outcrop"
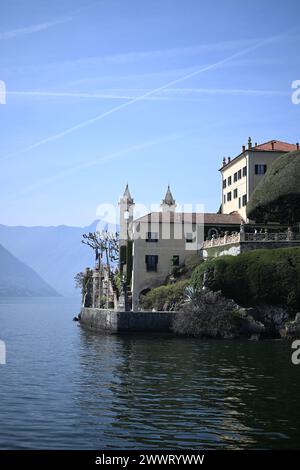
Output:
[[209, 314], [291, 329]]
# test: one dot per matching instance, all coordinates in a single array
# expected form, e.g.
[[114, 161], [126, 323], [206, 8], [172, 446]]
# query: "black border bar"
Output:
[[107, 458]]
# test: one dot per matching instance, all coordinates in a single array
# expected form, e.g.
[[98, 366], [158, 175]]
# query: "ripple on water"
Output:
[[64, 387]]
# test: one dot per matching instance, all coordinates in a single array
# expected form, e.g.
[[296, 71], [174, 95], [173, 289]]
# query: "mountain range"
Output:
[[18, 279], [56, 254]]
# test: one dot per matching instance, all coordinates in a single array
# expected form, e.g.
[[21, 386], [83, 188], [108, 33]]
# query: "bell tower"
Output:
[[126, 205]]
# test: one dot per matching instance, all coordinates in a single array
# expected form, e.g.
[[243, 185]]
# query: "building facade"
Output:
[[241, 175], [153, 245]]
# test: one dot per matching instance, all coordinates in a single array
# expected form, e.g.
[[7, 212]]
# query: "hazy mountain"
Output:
[[17, 279], [55, 253]]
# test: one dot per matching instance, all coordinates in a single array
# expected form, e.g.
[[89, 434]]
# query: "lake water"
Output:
[[65, 387]]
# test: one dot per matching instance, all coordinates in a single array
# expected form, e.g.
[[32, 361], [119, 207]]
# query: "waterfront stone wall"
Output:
[[111, 321]]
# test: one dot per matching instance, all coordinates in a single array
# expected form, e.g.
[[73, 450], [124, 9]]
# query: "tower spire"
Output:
[[127, 196], [168, 203], [126, 205]]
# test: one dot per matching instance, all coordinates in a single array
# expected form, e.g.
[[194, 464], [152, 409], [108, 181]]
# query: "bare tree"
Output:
[[107, 244], [104, 242]]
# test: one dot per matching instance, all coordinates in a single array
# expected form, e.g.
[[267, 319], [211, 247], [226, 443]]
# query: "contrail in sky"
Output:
[[173, 94], [118, 154], [149, 93], [110, 96], [101, 160], [14, 33]]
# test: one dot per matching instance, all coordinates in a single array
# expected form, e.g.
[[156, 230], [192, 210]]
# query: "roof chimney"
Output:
[[229, 160], [297, 145], [249, 143], [243, 148], [255, 144], [224, 161], [272, 145]]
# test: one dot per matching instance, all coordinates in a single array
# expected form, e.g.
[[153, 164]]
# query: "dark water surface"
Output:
[[65, 387]]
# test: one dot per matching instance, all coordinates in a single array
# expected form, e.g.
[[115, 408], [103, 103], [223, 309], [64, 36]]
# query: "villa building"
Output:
[[241, 175], [156, 246], [153, 245]]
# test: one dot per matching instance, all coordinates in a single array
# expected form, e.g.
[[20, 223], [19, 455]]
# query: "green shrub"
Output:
[[258, 277], [164, 297], [184, 270]]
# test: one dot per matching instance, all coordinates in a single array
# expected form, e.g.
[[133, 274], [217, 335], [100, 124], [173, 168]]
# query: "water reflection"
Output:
[[165, 392], [65, 387]]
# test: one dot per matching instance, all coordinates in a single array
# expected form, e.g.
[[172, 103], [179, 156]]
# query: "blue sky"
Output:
[[150, 92]]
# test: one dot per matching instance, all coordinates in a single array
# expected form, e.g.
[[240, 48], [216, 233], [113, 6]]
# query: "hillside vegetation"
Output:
[[259, 277], [277, 196], [164, 297]]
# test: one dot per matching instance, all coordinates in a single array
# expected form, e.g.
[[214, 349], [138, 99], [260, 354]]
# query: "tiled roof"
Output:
[[271, 146], [276, 146], [192, 217], [215, 219]]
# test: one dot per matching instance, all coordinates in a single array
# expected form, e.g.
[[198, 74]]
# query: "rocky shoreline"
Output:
[[207, 314], [211, 315]]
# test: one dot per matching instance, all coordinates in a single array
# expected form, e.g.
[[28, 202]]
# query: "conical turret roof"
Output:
[[169, 200], [127, 196]]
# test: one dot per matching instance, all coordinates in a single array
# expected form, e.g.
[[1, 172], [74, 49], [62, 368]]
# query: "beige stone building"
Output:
[[241, 174], [153, 245]]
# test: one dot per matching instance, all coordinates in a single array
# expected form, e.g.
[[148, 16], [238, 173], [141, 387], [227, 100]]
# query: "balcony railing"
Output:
[[264, 237], [271, 237]]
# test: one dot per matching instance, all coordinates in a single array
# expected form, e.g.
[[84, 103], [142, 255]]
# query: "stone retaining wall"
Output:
[[110, 321]]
